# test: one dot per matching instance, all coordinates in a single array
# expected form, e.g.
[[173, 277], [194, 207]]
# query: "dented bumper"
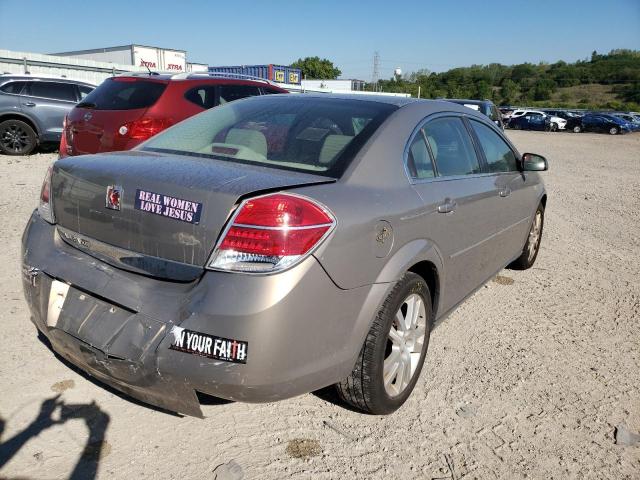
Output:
[[239, 337]]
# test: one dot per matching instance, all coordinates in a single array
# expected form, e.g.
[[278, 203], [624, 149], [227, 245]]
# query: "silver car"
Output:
[[278, 245], [33, 108]]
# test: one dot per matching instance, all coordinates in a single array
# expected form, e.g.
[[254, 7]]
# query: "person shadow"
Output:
[[96, 420]]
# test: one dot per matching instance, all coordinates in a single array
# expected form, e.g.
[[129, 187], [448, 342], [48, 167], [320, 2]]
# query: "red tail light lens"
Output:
[[144, 128], [272, 233], [44, 207]]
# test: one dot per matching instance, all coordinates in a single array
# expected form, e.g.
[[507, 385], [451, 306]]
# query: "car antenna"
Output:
[[150, 72]]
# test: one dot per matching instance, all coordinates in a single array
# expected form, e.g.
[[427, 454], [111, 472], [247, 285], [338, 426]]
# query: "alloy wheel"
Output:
[[534, 236], [14, 138], [404, 345]]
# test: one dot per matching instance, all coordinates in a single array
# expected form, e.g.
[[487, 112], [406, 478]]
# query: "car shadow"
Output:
[[96, 420]]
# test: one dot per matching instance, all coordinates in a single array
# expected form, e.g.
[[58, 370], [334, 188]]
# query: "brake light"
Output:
[[144, 127], [44, 207], [272, 233]]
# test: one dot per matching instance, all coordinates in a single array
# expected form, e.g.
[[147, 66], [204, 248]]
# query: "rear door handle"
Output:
[[29, 104], [505, 192], [448, 206]]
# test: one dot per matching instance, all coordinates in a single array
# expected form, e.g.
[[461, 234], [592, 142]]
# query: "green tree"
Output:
[[317, 68], [509, 91]]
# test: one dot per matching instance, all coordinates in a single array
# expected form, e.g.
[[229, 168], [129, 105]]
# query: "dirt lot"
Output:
[[528, 379]]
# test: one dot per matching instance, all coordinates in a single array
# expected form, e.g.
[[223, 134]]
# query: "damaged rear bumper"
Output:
[[301, 331]]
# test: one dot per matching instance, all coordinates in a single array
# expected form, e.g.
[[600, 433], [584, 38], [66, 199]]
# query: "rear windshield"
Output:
[[124, 94], [309, 134]]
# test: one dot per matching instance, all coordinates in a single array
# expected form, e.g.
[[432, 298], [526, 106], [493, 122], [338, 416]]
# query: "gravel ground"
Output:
[[528, 379]]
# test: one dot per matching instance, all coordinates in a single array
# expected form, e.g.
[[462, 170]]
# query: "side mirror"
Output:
[[532, 162]]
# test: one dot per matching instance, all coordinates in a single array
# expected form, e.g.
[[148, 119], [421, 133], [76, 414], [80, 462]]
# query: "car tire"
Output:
[[554, 127], [577, 129], [17, 138], [391, 353], [532, 246], [613, 131], [517, 126]]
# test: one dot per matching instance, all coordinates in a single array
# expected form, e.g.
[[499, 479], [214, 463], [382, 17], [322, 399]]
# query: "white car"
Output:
[[559, 123]]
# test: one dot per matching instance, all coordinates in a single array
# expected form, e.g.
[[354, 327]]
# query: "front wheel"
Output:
[[394, 350], [577, 129], [17, 138], [613, 131], [530, 251]]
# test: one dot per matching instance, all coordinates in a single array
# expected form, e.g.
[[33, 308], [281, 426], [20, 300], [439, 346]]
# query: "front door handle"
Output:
[[505, 192], [448, 206], [29, 104]]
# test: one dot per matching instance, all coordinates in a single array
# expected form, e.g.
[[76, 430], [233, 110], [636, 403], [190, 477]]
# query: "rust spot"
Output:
[[502, 280], [303, 448], [60, 387]]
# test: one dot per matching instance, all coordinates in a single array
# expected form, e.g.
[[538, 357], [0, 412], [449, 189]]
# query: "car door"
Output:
[[48, 102], [515, 193], [445, 170]]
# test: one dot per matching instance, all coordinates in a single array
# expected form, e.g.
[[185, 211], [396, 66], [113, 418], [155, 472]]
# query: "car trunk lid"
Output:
[[160, 212]]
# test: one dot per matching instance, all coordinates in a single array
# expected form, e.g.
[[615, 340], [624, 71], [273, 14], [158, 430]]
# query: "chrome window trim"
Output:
[[416, 130]]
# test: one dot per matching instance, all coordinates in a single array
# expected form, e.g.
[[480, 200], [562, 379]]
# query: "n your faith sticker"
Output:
[[168, 206], [218, 348]]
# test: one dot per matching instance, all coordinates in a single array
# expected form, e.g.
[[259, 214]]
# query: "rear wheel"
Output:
[[577, 129], [393, 353], [554, 127], [613, 131], [530, 251], [17, 138]]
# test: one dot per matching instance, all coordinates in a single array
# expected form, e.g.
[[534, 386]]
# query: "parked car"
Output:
[[604, 123], [483, 106], [632, 120], [531, 121], [32, 110], [574, 125], [125, 111], [566, 114], [277, 245], [556, 123]]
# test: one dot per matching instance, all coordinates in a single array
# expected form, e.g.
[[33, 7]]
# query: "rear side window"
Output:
[[13, 87], [500, 157], [451, 147], [125, 94], [229, 93], [53, 90], [308, 134], [419, 160], [203, 96]]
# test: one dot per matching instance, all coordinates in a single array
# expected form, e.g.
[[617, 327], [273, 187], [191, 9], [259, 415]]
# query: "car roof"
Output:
[[472, 102], [44, 78]]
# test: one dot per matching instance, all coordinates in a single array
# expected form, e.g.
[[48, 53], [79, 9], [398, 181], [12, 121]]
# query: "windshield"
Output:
[[302, 133]]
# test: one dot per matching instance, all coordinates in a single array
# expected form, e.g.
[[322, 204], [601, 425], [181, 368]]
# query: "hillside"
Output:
[[610, 81]]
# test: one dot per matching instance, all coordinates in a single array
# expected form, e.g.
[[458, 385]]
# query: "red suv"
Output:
[[127, 110]]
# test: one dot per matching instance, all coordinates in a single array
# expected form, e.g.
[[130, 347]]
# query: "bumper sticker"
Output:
[[168, 206], [218, 348]]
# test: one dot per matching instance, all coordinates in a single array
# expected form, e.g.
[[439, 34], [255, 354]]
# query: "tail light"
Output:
[[144, 127], [45, 208], [272, 233]]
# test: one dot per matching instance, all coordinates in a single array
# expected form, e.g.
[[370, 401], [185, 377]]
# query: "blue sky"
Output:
[[436, 35]]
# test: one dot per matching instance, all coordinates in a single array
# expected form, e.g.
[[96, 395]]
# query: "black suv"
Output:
[[32, 110]]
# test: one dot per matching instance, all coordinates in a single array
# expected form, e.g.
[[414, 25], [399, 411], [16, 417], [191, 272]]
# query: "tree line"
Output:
[[541, 84], [532, 84]]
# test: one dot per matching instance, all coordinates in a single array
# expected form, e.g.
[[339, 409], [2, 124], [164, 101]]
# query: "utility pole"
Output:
[[376, 70]]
